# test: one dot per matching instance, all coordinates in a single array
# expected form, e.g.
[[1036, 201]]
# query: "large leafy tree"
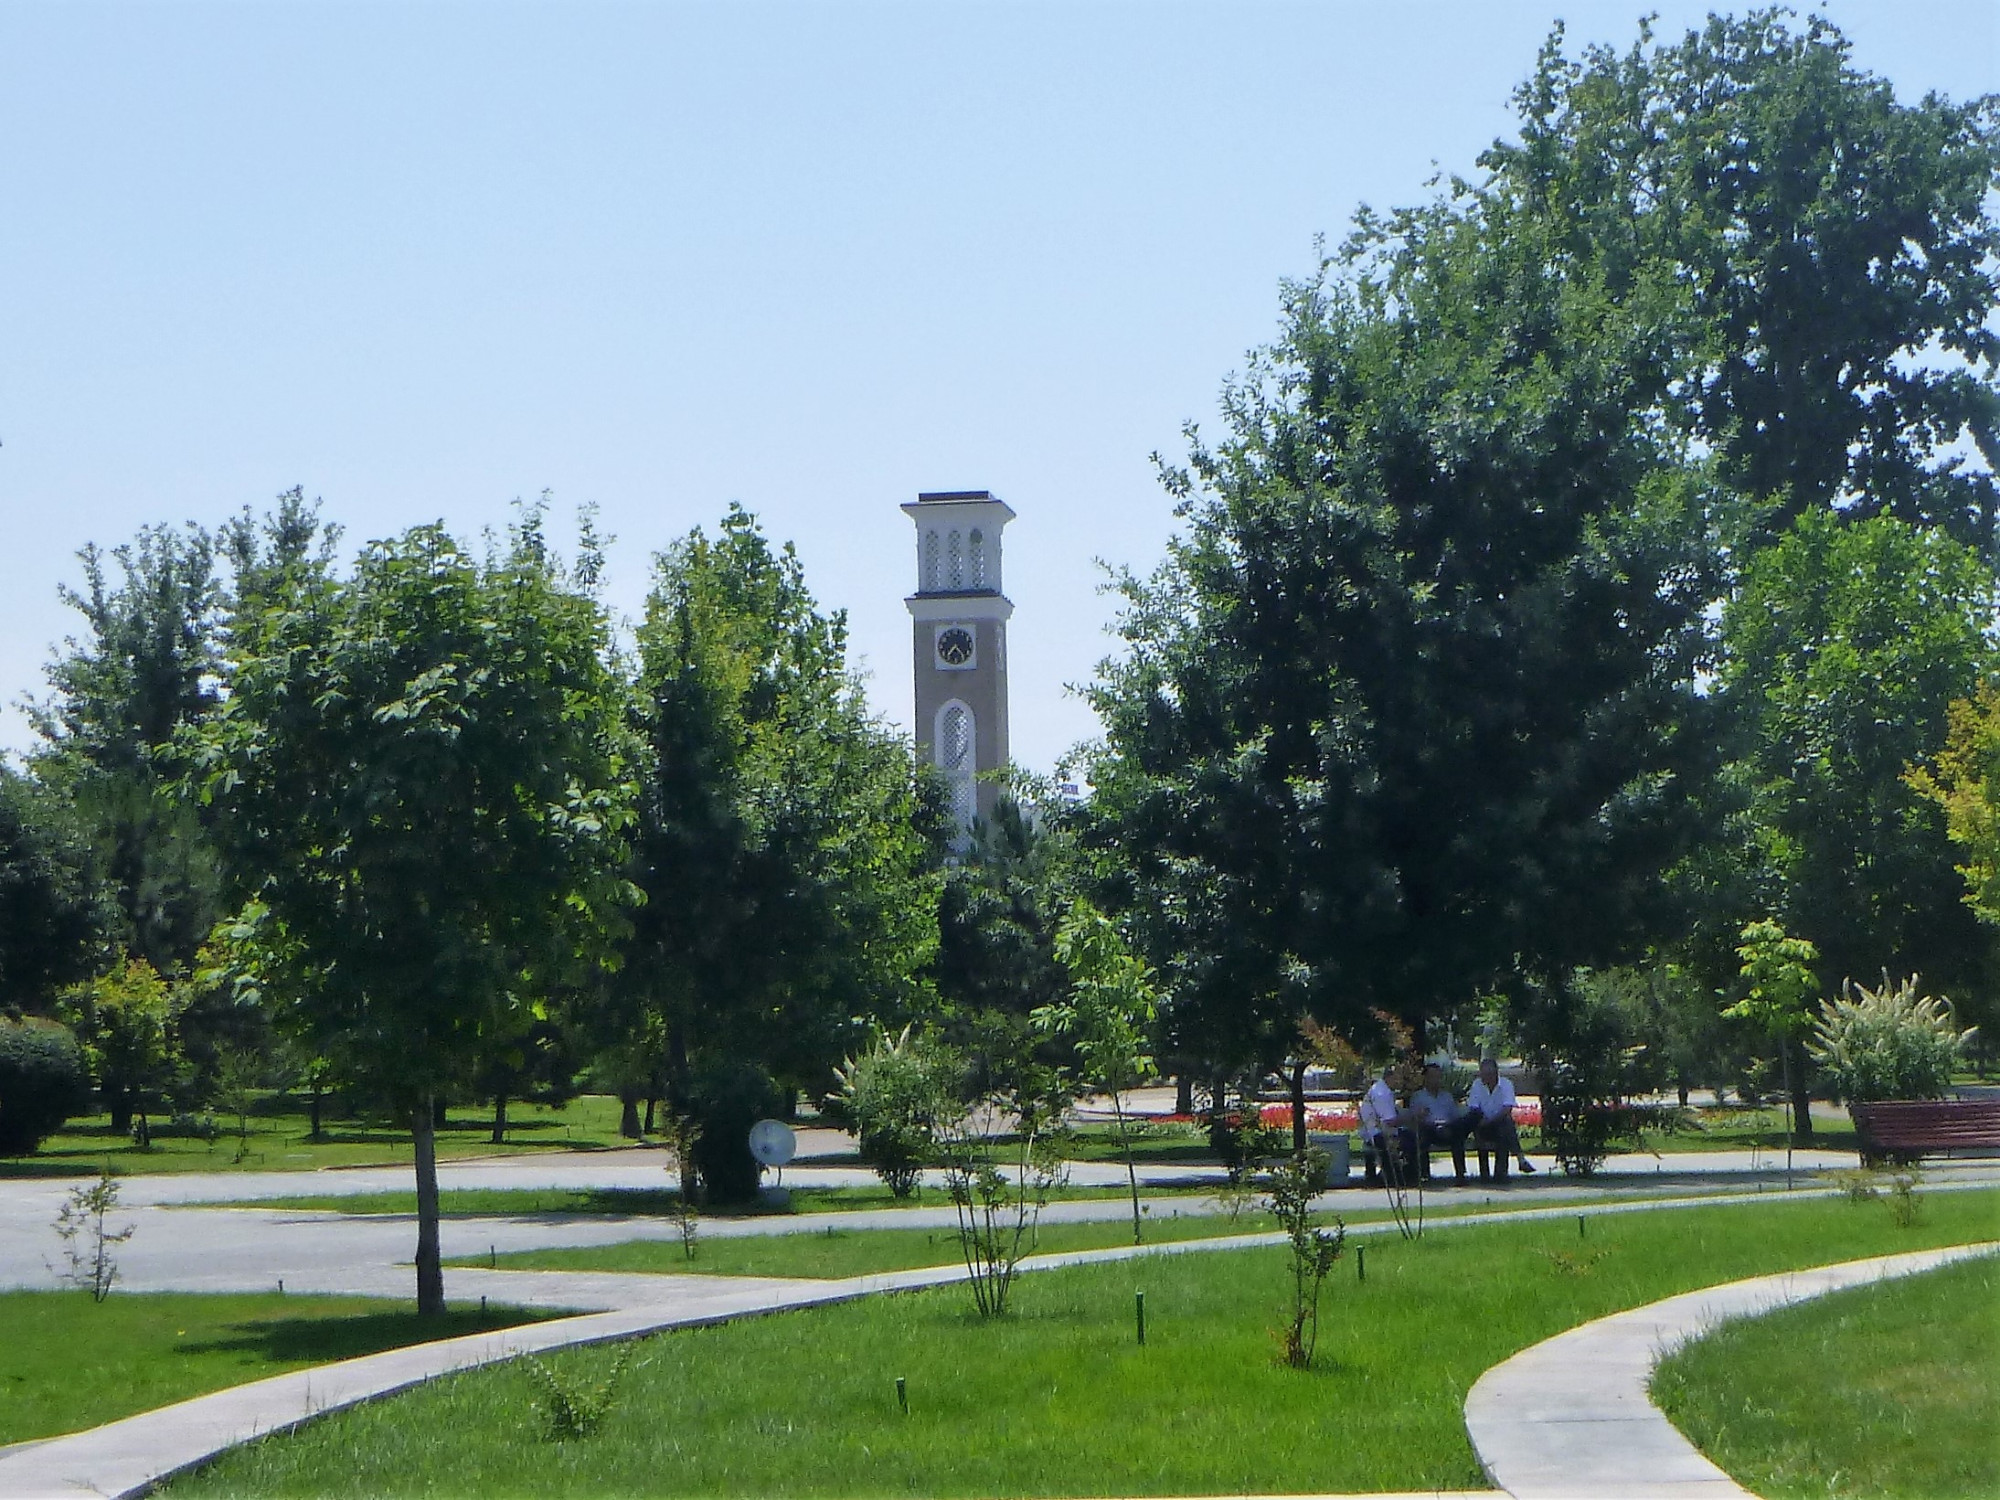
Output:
[[1410, 710], [1847, 643], [1838, 247], [424, 790], [1003, 898], [54, 916], [147, 666], [1965, 785], [784, 850]]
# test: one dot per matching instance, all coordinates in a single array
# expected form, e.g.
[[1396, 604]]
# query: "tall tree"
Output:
[[1839, 248], [54, 916], [424, 791], [1965, 785], [147, 667], [1002, 900], [1847, 643], [790, 878], [1411, 709]]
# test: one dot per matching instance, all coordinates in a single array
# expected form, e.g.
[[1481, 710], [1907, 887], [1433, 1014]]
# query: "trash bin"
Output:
[[1339, 1151]]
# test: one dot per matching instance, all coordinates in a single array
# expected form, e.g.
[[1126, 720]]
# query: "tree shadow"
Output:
[[352, 1335]]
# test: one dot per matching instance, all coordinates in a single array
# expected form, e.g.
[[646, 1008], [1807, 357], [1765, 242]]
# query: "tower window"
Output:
[[978, 546], [955, 562], [955, 744], [931, 558]]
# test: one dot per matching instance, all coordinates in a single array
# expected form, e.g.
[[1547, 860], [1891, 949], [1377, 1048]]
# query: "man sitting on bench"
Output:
[[1440, 1122], [1491, 1105], [1387, 1129]]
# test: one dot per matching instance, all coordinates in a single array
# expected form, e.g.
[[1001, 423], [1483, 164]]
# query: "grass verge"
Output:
[[834, 1254], [67, 1363], [1058, 1398], [278, 1139], [1888, 1390]]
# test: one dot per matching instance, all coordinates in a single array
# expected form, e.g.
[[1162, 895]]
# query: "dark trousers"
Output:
[[1405, 1164], [1452, 1135], [1502, 1139]]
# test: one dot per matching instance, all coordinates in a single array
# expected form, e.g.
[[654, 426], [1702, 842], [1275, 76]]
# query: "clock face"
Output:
[[954, 646]]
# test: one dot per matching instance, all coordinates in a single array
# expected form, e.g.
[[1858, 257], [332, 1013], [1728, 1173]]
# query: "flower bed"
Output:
[[1333, 1121]]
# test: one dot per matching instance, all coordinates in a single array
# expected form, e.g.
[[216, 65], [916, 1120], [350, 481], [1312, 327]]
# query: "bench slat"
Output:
[[1921, 1125]]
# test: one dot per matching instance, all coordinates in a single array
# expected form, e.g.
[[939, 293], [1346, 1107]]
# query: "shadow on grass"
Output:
[[325, 1340]]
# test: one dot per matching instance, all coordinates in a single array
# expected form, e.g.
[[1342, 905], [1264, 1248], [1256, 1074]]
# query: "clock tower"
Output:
[[958, 618]]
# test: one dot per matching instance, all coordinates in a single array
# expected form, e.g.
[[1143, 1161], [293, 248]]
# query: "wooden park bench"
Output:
[[1909, 1128]]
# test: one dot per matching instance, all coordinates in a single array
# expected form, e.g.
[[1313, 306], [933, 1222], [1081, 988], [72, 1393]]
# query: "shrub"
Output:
[[1887, 1043], [726, 1098], [90, 1265], [573, 1408], [1585, 1111], [894, 1095], [1293, 1184], [42, 1083], [1245, 1141]]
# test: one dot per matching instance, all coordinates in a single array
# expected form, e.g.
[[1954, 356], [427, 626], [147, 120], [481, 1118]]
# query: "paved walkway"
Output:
[[1570, 1418], [183, 1248], [178, 1247]]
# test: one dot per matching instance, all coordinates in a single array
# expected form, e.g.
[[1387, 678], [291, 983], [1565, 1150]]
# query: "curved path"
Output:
[[1570, 1418]]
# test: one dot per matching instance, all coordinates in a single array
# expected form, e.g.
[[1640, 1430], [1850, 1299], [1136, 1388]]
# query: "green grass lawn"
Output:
[[278, 1141], [1057, 1398], [68, 1363], [834, 1254], [1889, 1390]]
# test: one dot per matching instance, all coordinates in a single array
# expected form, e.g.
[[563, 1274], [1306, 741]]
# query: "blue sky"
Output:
[[424, 259]]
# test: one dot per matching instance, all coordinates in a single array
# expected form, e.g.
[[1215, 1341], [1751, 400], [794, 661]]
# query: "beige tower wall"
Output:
[[958, 586], [982, 689]]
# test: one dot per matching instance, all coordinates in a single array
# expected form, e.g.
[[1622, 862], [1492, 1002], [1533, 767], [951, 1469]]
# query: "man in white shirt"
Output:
[[1439, 1122], [1380, 1115], [1491, 1103]]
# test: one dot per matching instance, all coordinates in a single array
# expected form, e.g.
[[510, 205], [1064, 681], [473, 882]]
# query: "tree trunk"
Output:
[[1131, 1171], [1298, 1109], [1184, 1094], [120, 1103], [430, 1269], [312, 1113], [438, 1121], [499, 1119], [1802, 1129], [628, 1117], [647, 1128]]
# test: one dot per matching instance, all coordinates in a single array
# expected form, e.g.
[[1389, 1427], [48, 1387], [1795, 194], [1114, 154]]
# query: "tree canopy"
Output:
[[424, 787], [1837, 247], [788, 861], [1410, 709]]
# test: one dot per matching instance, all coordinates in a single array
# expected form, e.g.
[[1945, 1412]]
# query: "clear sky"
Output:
[[424, 259]]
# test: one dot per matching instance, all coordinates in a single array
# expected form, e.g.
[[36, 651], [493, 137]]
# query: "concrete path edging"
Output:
[[1570, 1418]]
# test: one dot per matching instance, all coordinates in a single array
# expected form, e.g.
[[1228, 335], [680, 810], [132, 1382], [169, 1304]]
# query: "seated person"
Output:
[[1491, 1105], [1439, 1122], [1381, 1115]]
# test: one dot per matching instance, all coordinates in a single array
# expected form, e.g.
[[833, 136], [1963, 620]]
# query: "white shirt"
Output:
[[1491, 1103], [1439, 1108], [1378, 1106]]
